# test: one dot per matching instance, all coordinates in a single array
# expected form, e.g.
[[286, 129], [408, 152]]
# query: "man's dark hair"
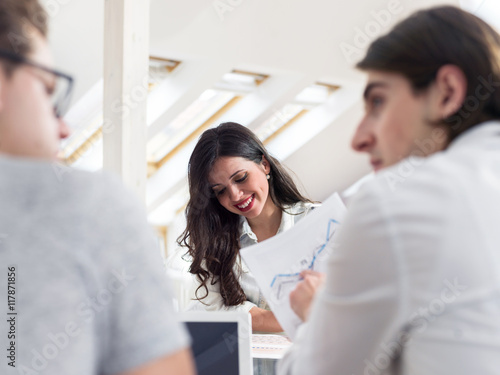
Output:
[[19, 19], [421, 44]]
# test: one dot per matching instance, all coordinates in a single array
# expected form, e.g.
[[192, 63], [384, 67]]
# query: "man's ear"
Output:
[[451, 85], [265, 164]]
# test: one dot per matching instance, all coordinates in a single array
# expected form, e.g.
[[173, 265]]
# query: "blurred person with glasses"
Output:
[[80, 272], [32, 93], [58, 84]]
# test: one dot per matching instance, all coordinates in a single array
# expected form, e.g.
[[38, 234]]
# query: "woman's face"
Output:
[[240, 185]]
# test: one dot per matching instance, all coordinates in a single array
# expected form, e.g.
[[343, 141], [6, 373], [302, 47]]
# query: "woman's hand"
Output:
[[264, 320], [302, 296]]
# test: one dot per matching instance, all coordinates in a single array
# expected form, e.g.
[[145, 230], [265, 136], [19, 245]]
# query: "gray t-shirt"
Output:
[[82, 288]]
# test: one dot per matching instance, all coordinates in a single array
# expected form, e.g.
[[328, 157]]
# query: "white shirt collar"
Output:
[[486, 132], [287, 221]]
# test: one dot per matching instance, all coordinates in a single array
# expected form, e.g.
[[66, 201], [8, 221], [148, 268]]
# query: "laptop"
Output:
[[221, 342]]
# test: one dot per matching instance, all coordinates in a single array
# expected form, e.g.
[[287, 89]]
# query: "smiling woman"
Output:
[[239, 195]]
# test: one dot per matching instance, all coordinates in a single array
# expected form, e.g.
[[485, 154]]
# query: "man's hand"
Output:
[[302, 296]]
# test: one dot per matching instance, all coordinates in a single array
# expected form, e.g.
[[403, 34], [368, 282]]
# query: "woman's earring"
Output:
[[268, 176]]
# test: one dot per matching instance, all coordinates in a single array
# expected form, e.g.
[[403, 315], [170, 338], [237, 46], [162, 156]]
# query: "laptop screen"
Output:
[[215, 347], [220, 342]]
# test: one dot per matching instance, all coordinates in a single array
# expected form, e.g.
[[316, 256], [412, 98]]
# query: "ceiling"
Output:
[[295, 42]]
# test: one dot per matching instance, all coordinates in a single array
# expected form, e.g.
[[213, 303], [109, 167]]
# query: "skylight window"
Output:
[[309, 98], [278, 120], [86, 117], [315, 94], [240, 81], [200, 115], [200, 111], [159, 69]]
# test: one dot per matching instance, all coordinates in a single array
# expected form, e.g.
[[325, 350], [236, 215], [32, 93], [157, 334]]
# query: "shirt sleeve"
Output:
[[138, 324], [355, 315]]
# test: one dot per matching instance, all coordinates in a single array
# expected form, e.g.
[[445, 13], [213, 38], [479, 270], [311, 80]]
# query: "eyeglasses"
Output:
[[60, 90]]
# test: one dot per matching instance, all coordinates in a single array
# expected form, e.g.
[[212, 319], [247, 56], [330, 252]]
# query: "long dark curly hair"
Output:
[[212, 233]]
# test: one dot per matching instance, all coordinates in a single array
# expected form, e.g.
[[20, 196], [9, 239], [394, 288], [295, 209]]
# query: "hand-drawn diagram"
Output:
[[306, 246], [283, 283]]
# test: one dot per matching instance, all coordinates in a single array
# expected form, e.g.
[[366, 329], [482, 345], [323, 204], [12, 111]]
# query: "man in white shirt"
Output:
[[414, 284], [82, 285]]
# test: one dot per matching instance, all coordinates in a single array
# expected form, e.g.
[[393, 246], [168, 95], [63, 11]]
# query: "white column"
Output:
[[126, 64]]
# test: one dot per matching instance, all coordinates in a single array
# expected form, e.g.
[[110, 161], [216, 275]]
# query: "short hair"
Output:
[[421, 44], [18, 20]]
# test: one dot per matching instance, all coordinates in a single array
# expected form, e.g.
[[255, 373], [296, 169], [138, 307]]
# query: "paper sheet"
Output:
[[277, 262]]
